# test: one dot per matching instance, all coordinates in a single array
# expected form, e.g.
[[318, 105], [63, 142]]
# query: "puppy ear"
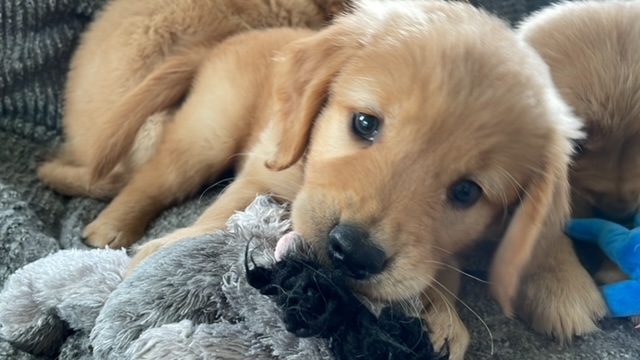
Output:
[[543, 212], [303, 78]]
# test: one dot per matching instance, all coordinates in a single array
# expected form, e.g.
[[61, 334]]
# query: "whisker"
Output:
[[213, 186], [458, 270]]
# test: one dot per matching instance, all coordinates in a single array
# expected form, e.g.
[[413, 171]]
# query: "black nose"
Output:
[[352, 251]]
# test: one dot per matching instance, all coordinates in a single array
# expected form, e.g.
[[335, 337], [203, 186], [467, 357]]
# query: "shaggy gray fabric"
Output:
[[42, 301], [37, 38], [36, 43], [188, 301]]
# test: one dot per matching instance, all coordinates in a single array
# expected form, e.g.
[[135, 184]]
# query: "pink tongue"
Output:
[[283, 245]]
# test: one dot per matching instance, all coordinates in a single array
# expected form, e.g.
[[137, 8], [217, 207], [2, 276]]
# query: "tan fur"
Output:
[[436, 87], [135, 64], [278, 105], [446, 329], [162, 89], [592, 49]]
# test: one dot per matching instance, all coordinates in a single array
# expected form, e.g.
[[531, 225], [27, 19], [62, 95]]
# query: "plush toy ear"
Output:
[[303, 78], [543, 212]]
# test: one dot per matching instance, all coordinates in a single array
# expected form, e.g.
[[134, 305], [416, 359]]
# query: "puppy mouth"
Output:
[[358, 274], [292, 244], [379, 286]]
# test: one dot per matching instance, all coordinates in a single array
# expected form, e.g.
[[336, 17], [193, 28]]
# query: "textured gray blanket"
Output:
[[37, 39]]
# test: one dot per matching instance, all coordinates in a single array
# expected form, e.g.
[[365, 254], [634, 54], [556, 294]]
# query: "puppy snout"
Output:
[[351, 251]]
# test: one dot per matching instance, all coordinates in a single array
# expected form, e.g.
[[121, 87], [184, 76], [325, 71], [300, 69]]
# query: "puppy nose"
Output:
[[351, 251]]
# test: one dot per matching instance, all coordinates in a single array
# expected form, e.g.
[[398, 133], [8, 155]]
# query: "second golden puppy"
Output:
[[125, 43], [402, 138], [593, 51]]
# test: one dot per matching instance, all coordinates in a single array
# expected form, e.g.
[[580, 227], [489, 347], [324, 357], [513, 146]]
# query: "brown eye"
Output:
[[464, 193], [365, 126]]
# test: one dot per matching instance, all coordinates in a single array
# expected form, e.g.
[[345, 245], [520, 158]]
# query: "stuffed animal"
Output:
[[316, 301], [622, 246], [189, 301]]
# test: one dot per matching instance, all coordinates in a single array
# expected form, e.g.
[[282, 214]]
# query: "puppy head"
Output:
[[606, 169], [422, 125], [592, 50]]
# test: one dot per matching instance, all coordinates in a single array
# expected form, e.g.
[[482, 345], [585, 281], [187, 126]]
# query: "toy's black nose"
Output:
[[351, 251]]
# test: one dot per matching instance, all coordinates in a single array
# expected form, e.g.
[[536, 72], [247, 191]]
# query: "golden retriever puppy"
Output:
[[404, 133], [593, 51], [122, 46]]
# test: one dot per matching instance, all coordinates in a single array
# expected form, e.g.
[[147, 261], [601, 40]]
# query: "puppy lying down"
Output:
[[123, 45], [404, 133]]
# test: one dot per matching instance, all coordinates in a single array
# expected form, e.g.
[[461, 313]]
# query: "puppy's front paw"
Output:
[[448, 333], [108, 231], [562, 303]]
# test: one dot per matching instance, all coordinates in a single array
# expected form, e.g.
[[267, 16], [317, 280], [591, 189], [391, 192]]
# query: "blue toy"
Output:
[[622, 246]]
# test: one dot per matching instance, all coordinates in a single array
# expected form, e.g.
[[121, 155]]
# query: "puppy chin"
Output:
[[388, 286]]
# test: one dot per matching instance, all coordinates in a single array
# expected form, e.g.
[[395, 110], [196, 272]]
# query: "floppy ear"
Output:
[[542, 213], [303, 78]]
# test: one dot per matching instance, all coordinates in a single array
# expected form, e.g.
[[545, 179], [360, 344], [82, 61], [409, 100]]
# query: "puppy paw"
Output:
[[104, 231], [448, 333], [562, 303]]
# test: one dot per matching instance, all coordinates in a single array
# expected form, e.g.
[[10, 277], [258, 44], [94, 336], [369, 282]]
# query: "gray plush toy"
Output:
[[189, 301]]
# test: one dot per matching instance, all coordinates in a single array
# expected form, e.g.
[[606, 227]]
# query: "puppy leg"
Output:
[[557, 296], [72, 180], [255, 179], [446, 328], [235, 198], [194, 149]]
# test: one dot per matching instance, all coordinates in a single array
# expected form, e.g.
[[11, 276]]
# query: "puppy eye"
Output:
[[464, 193], [579, 147], [365, 126]]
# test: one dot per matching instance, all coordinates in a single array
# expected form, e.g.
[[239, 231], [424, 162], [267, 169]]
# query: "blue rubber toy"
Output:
[[622, 246]]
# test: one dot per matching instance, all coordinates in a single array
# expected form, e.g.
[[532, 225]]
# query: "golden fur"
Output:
[[593, 51], [453, 86], [111, 71]]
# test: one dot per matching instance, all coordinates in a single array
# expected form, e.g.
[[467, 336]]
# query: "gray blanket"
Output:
[[38, 37]]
